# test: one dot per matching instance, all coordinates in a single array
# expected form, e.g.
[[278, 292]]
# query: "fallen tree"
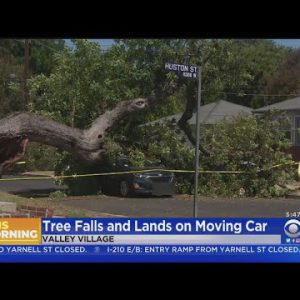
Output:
[[17, 129]]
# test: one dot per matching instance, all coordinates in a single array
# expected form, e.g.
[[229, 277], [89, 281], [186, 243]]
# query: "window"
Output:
[[287, 126], [297, 130], [288, 135]]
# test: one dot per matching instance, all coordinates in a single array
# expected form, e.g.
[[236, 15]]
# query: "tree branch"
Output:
[[86, 144], [183, 122]]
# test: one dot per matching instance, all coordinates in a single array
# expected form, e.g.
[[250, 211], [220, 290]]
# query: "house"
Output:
[[218, 111], [210, 114], [292, 109]]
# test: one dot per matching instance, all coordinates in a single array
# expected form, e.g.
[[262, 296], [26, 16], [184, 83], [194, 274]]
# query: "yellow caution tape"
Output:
[[115, 173], [140, 171], [289, 163], [76, 176]]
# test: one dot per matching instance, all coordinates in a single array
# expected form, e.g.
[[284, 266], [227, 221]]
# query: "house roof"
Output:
[[290, 104], [211, 113], [215, 112]]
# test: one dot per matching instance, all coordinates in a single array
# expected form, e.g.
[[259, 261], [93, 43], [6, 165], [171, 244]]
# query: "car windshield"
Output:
[[124, 162]]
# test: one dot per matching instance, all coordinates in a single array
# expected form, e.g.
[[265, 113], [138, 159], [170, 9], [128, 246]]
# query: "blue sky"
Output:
[[103, 42], [293, 43]]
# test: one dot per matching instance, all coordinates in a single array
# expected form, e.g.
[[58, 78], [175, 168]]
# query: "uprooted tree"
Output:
[[17, 129], [67, 101]]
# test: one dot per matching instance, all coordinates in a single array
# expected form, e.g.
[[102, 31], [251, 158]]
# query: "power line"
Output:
[[263, 95], [254, 94], [104, 45], [42, 44], [102, 50]]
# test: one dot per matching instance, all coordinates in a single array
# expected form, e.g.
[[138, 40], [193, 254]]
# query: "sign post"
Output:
[[197, 143], [192, 72]]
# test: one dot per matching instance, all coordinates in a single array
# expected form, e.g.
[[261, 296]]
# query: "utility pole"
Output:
[[26, 71]]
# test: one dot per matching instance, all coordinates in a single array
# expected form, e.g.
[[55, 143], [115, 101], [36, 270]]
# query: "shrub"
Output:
[[40, 157], [243, 143], [68, 165], [250, 144]]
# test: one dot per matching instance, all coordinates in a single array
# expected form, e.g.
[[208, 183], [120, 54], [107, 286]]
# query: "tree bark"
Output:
[[11, 151], [188, 114], [87, 144]]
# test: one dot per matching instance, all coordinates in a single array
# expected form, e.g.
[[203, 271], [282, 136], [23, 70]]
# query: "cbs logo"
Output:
[[292, 228]]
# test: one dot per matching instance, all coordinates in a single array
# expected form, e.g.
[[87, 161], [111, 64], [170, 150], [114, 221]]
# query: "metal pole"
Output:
[[26, 71], [197, 142]]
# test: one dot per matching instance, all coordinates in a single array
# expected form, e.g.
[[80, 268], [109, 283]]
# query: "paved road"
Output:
[[180, 207], [29, 187]]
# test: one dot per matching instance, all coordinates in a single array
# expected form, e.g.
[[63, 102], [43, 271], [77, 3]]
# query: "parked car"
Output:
[[157, 183]]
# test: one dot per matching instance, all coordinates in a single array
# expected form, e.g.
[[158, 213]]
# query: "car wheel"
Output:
[[124, 188]]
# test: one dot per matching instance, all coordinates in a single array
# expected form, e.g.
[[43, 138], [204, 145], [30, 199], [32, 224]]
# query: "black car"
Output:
[[157, 183]]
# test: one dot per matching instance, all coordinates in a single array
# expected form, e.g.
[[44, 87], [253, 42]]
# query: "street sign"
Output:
[[186, 71]]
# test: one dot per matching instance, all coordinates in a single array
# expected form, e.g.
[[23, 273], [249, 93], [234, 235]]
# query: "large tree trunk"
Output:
[[87, 144]]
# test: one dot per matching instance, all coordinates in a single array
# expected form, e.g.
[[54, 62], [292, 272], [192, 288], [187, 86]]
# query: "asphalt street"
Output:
[[182, 206], [32, 188], [178, 206]]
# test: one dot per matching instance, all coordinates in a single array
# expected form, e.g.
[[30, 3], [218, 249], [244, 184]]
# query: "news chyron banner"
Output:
[[149, 240]]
